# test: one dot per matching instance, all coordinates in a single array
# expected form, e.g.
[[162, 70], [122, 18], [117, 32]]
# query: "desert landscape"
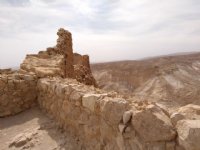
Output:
[[173, 79], [57, 101], [99, 75]]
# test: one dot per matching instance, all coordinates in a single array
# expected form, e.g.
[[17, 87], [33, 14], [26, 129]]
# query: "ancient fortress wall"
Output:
[[17, 93], [102, 120], [99, 120]]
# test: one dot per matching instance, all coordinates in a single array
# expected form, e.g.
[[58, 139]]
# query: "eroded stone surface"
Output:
[[17, 93], [189, 134], [60, 61], [44, 66], [127, 116], [22, 139], [153, 125], [191, 112], [90, 100], [64, 47], [113, 109], [82, 69]]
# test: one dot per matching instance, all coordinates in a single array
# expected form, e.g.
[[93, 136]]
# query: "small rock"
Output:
[[23, 138], [121, 128], [89, 101], [127, 117], [19, 141]]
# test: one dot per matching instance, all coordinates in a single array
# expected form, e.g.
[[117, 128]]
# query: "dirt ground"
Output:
[[33, 130]]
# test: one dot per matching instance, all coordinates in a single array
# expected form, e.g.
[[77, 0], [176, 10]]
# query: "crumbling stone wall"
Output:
[[60, 61], [64, 47], [82, 71], [17, 93], [6, 71], [81, 60], [99, 120], [65, 105], [44, 65], [103, 120]]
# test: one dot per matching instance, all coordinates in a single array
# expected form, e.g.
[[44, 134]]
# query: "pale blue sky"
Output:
[[107, 30]]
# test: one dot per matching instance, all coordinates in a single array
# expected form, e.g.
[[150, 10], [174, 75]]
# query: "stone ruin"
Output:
[[60, 61], [61, 83]]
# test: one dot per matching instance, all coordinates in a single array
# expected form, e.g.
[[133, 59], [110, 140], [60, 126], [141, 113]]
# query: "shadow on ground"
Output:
[[33, 130]]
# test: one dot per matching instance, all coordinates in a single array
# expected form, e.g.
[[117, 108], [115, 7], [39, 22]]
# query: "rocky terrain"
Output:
[[173, 80], [52, 102]]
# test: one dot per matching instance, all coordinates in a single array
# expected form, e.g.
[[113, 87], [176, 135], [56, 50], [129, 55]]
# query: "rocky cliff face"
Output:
[[168, 79]]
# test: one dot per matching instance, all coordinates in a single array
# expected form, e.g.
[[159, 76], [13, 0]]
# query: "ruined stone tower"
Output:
[[60, 61], [64, 47]]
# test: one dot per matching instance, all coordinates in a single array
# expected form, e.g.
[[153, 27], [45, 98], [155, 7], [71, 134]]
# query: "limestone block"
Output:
[[189, 134], [89, 100], [18, 93], [59, 90], [76, 98], [153, 125], [42, 85], [121, 128], [127, 116], [42, 66], [190, 111], [113, 109]]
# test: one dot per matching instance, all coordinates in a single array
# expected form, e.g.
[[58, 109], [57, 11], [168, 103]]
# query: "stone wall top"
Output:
[[102, 120]]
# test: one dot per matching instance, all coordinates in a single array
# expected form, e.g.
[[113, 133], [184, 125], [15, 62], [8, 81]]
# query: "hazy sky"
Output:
[[107, 30]]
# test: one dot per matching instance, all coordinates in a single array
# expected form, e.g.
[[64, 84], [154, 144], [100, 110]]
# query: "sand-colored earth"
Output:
[[32, 129]]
